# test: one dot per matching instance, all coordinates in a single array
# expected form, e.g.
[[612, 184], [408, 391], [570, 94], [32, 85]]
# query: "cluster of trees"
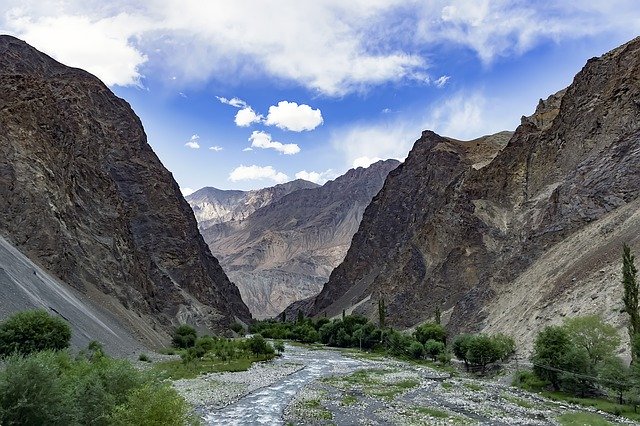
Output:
[[193, 347], [579, 356], [427, 341], [41, 383]]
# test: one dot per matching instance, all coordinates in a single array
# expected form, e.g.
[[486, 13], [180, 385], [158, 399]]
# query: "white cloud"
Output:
[[263, 140], [331, 46], [257, 173], [234, 102], [193, 142], [187, 191], [441, 81], [216, 148], [247, 116], [102, 46], [317, 177], [247, 149], [365, 161], [462, 116], [291, 116]]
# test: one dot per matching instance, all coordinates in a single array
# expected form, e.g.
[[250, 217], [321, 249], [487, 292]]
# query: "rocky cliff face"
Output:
[[286, 250], [516, 243], [212, 206], [83, 194]]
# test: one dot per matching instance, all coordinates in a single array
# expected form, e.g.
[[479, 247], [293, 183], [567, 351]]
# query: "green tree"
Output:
[[382, 313], [433, 348], [483, 350], [437, 315], [33, 331], [300, 318], [279, 346], [506, 345], [184, 336], [550, 350], [416, 350], [615, 375], [599, 339], [630, 298], [430, 331], [259, 346], [152, 404], [461, 348]]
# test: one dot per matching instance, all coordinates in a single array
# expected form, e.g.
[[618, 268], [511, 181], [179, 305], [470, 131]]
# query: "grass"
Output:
[[597, 403], [473, 386], [582, 419], [178, 370], [348, 400], [315, 410], [446, 385], [518, 401], [433, 412]]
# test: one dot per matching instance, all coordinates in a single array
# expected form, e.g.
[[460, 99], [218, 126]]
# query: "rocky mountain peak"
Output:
[[83, 194]]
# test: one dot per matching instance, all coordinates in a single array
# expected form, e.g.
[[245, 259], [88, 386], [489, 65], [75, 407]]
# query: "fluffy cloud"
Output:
[[193, 142], [247, 116], [291, 116], [102, 46], [263, 140], [216, 148], [317, 177], [234, 102], [365, 161], [257, 173]]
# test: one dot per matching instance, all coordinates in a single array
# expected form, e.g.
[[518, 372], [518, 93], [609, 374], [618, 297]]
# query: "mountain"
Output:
[[518, 242], [286, 250], [83, 195], [212, 205]]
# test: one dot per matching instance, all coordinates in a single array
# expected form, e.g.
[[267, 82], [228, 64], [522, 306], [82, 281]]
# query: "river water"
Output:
[[266, 405]]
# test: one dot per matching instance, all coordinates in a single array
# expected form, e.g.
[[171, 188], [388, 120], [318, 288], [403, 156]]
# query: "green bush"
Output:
[[33, 331], [550, 350], [461, 347], [237, 328], [152, 404], [278, 346], [31, 392], [51, 388], [527, 380], [416, 350], [259, 346], [184, 337], [433, 348], [431, 331]]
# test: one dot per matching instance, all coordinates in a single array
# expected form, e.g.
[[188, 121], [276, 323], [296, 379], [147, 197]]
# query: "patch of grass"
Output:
[[473, 386], [179, 370], [144, 358], [315, 410], [433, 412], [391, 390], [446, 385], [598, 403], [348, 400], [525, 379], [582, 419], [518, 401]]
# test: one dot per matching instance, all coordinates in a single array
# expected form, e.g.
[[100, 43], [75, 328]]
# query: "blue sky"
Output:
[[246, 94]]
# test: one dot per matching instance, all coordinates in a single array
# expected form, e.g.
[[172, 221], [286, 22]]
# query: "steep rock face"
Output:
[[83, 194], [489, 245], [286, 250]]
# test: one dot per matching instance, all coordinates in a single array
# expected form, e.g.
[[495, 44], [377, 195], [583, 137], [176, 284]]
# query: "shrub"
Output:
[[433, 348], [184, 337], [259, 346], [416, 350], [31, 392], [527, 380], [144, 358], [152, 404], [430, 331], [278, 346], [33, 331], [205, 343]]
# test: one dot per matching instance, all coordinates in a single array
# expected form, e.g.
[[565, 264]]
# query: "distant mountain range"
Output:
[[280, 244]]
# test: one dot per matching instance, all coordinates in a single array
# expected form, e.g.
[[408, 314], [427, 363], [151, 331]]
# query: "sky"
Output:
[[246, 94]]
